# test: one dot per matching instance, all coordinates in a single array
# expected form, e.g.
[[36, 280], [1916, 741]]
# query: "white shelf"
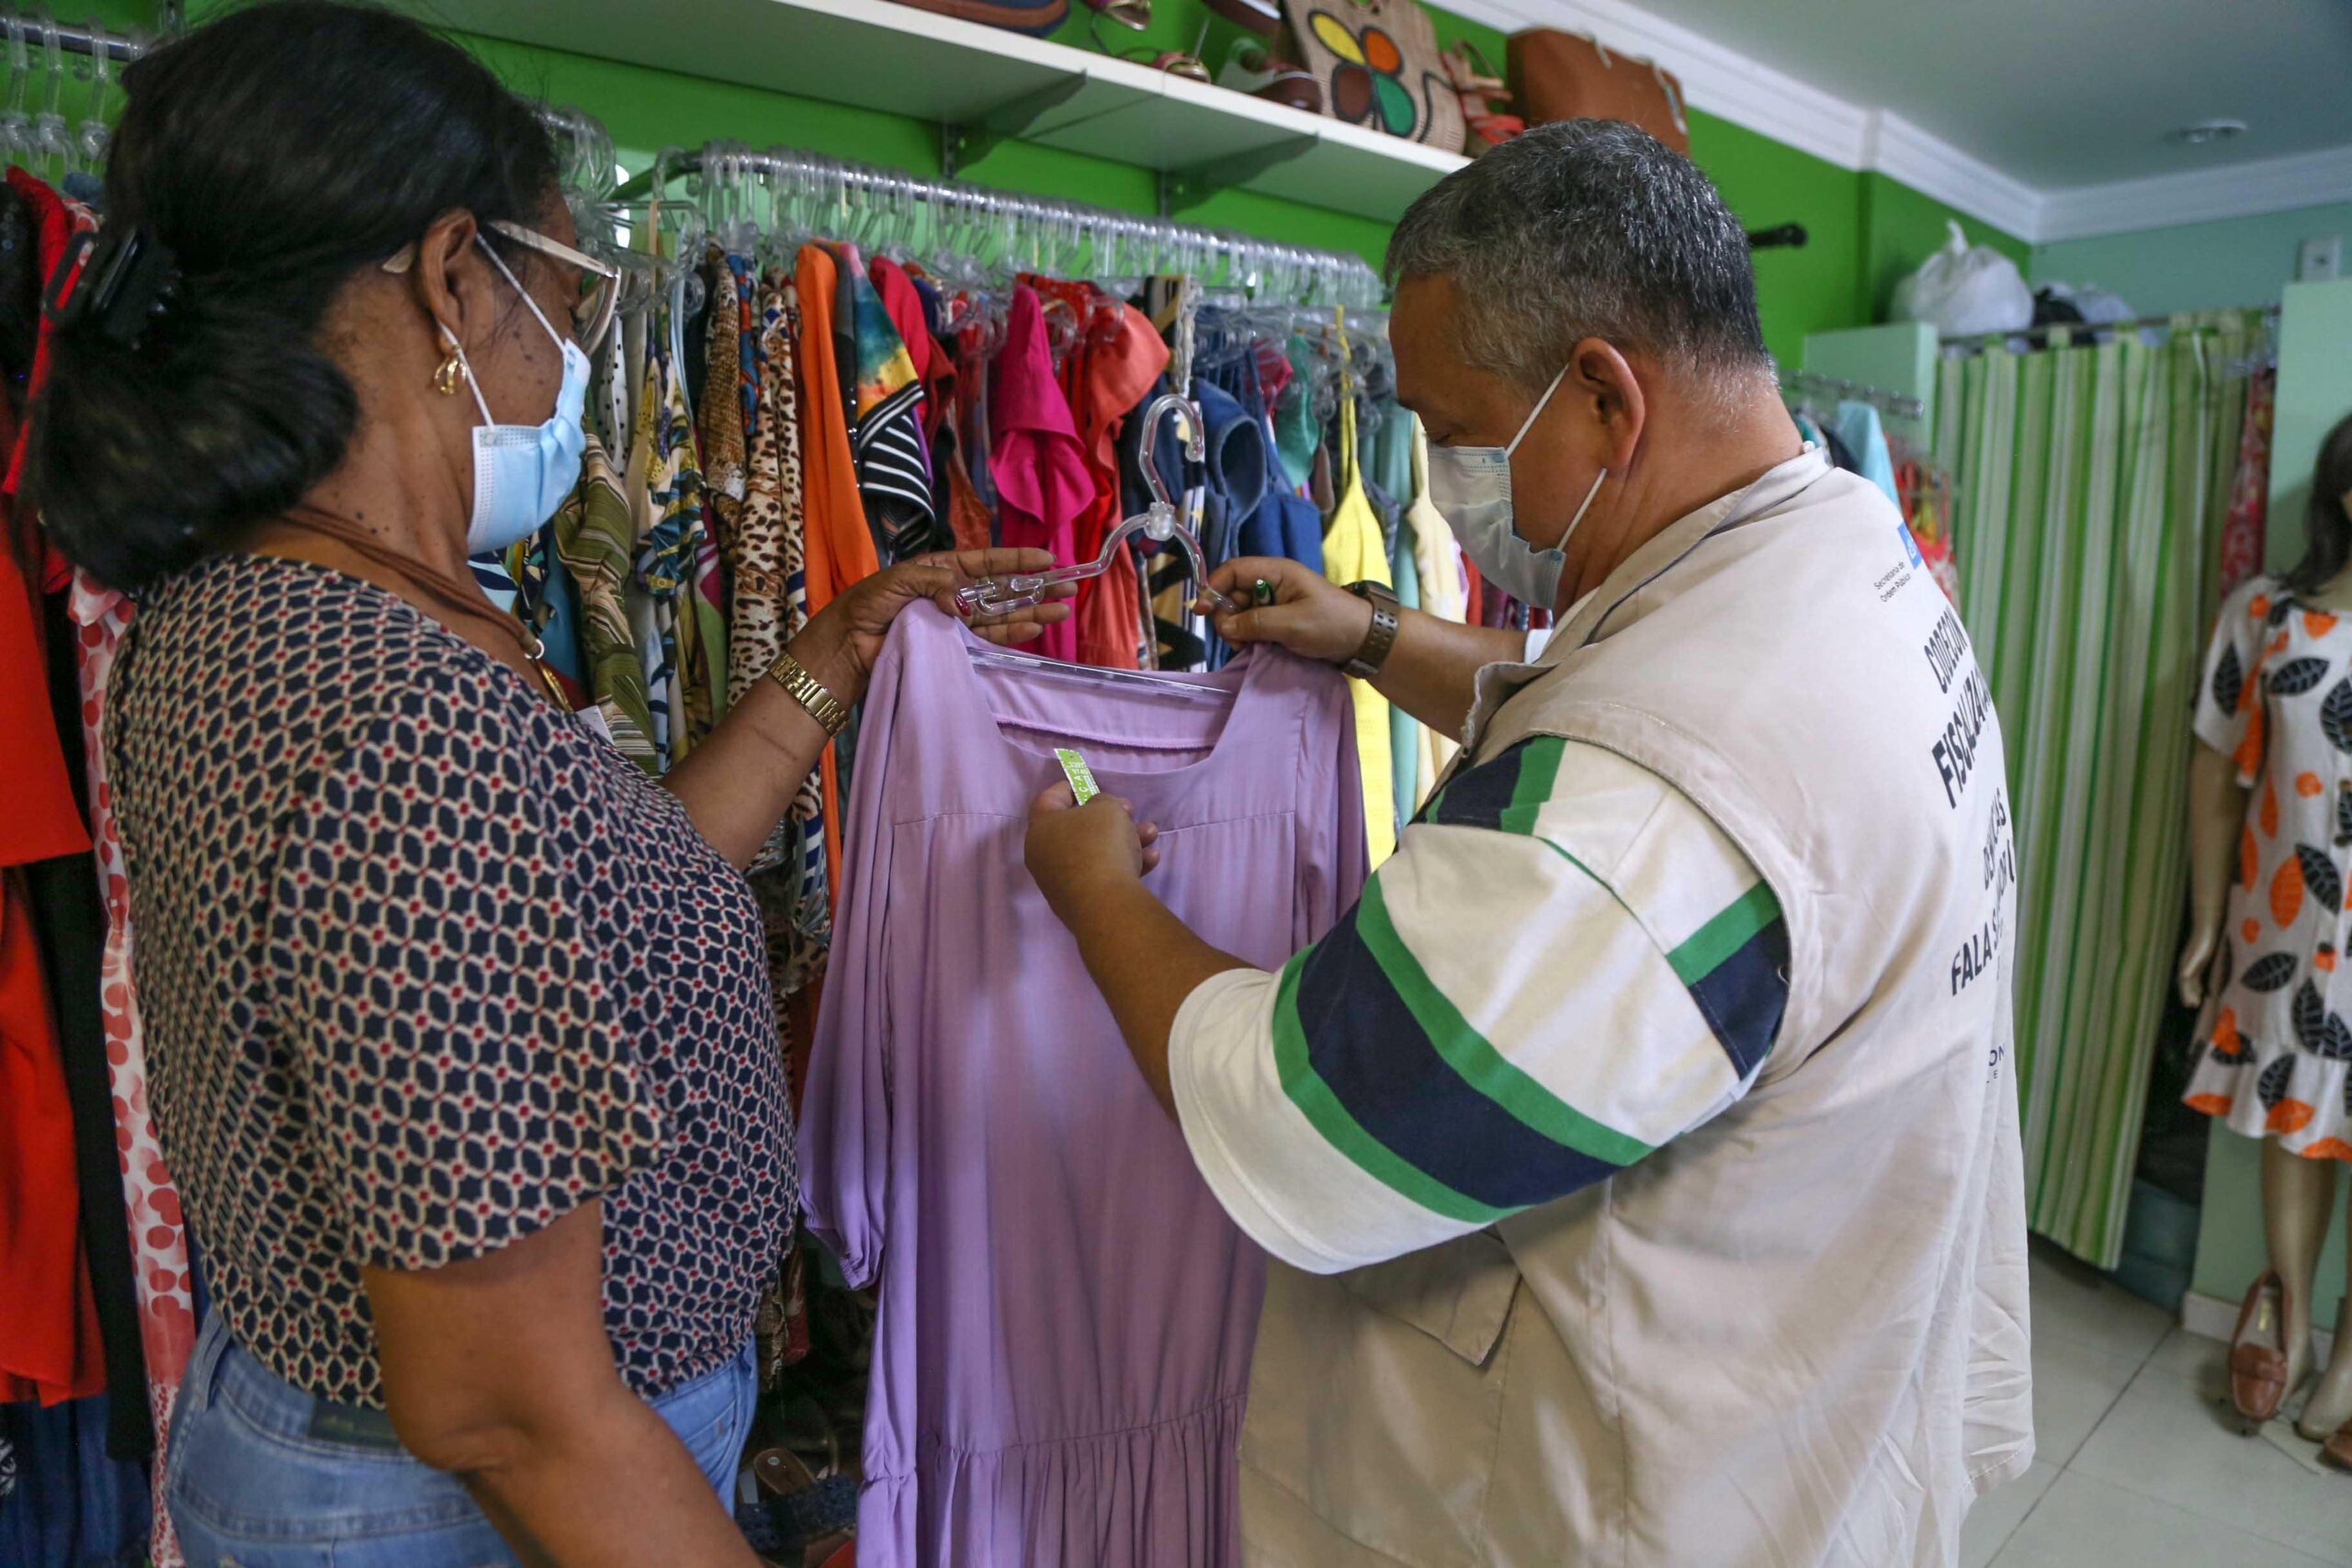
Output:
[[880, 55]]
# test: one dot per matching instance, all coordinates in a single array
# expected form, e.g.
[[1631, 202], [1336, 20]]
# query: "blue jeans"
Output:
[[263, 1476]]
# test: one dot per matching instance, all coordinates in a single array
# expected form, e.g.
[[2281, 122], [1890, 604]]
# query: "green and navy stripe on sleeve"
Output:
[[1565, 966]]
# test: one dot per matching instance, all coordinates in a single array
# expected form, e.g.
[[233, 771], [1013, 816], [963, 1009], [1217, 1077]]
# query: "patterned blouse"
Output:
[[425, 966]]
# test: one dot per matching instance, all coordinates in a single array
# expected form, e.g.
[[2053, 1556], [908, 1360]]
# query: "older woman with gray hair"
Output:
[[1641, 1154]]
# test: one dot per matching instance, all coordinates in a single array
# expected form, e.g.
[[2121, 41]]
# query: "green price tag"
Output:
[[1080, 776]]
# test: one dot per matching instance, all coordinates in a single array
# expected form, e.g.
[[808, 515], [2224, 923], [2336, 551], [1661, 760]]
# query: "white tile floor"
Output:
[[2140, 1464]]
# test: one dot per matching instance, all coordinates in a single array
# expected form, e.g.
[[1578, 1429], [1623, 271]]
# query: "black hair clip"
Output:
[[116, 279]]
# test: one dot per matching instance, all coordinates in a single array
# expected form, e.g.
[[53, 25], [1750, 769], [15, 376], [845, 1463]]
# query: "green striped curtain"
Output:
[[2091, 483]]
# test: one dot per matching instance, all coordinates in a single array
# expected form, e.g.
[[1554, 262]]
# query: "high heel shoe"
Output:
[[2259, 1373]]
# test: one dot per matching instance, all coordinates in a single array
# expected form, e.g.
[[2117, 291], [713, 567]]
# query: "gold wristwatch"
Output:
[[830, 712]]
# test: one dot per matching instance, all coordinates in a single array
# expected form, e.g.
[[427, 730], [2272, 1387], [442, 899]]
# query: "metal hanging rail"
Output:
[[72, 38], [1333, 278], [1896, 403], [2197, 319]]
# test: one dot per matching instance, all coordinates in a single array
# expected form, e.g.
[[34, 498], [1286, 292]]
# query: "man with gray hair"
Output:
[[1640, 1155]]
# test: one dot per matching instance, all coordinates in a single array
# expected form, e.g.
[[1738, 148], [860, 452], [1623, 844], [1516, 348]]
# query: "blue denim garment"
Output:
[[259, 1478], [73, 1506]]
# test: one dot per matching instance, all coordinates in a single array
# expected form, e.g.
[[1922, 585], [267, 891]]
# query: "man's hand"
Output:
[[1311, 616], [1074, 850], [1090, 860]]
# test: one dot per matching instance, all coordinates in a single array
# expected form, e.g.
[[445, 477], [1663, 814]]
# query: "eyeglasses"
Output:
[[600, 282]]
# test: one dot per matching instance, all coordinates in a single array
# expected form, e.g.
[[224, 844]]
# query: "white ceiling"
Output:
[[2049, 118], [2063, 92]]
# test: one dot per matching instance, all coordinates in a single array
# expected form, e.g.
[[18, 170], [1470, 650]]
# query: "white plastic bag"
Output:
[[1962, 289]]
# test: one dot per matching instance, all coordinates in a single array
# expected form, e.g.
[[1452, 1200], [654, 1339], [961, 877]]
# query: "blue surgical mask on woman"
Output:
[[522, 472], [1470, 486]]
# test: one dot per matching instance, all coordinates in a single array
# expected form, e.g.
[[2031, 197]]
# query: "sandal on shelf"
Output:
[[2258, 1372]]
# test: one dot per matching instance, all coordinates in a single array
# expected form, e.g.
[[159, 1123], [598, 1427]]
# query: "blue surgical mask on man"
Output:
[[522, 472], [1470, 486]]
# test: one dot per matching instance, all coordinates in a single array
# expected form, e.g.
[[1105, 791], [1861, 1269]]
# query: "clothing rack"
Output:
[[1263, 269], [2134, 324], [1895, 403], [72, 38]]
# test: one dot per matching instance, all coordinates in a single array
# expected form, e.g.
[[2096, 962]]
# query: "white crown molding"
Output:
[[1933, 166], [1719, 80], [2229, 190], [1772, 103]]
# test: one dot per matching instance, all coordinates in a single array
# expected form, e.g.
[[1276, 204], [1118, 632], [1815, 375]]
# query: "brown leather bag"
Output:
[[1379, 64], [1557, 76]]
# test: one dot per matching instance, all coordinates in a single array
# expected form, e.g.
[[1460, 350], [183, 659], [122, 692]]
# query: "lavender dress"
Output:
[[1067, 1314]]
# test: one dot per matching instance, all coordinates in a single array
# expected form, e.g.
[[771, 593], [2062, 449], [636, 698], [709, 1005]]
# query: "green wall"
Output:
[[2193, 266], [1811, 288], [1901, 227]]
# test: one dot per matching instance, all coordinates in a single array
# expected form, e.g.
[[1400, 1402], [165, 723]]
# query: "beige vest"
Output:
[[1798, 1334]]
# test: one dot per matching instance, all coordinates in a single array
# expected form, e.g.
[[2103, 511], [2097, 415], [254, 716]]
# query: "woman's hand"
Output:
[[1311, 616], [1075, 849], [843, 641]]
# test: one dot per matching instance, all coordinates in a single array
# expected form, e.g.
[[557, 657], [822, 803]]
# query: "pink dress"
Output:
[[1043, 484], [1067, 1314]]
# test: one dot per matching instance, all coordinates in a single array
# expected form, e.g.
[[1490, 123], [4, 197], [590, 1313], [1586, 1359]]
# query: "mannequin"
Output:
[[2289, 627]]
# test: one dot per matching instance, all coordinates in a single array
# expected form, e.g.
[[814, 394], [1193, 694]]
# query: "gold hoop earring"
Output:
[[446, 375]]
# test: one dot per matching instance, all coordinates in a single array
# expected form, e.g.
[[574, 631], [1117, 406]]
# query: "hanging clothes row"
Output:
[[821, 369], [95, 1262], [827, 368], [1844, 418]]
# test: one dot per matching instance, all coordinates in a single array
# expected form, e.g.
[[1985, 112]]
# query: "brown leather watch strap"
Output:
[[1382, 637]]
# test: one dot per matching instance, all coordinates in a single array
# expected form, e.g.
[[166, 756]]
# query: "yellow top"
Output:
[[1354, 551]]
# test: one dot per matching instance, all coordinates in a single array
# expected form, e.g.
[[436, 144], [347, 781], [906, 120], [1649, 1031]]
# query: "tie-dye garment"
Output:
[[886, 418]]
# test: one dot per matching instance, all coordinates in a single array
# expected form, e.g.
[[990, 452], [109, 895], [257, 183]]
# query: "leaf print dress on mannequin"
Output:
[[2276, 1058]]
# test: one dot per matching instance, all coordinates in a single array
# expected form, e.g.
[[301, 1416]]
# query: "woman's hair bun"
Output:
[[260, 162]]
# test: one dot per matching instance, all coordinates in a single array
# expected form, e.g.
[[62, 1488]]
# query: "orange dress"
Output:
[[839, 549]]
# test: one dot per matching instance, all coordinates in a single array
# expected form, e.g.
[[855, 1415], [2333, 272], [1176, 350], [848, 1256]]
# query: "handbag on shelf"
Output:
[[1558, 76], [1035, 17], [1377, 63]]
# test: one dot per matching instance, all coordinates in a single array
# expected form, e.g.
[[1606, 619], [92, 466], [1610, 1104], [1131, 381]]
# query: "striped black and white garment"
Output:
[[1565, 966], [894, 474]]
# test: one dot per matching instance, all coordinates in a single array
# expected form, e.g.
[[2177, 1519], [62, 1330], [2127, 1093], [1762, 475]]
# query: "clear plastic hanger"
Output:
[[672, 278], [90, 134], [791, 207], [16, 124], [1158, 522], [52, 145]]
